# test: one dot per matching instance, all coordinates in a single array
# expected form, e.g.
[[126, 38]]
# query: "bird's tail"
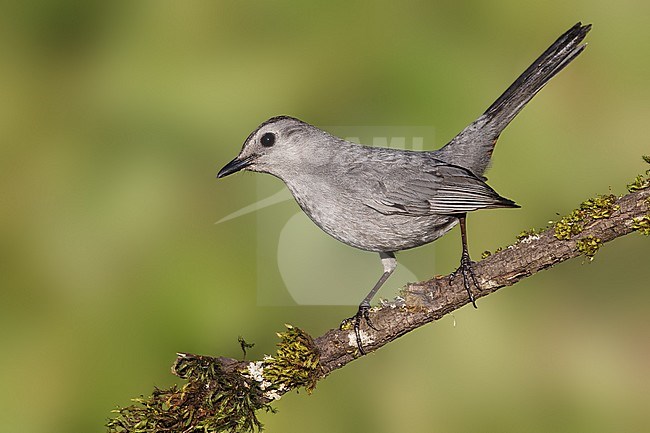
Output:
[[552, 61], [472, 147]]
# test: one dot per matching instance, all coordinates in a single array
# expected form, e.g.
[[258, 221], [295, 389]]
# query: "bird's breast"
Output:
[[342, 212]]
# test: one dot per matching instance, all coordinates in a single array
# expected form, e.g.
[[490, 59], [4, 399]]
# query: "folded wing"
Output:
[[442, 189]]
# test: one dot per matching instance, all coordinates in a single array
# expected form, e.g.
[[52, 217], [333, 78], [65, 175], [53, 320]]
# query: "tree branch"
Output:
[[430, 300], [222, 394]]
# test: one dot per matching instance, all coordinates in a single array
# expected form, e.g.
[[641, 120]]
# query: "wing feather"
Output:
[[441, 189]]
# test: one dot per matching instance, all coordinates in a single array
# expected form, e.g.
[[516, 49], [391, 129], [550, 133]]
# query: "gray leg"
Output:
[[466, 264], [390, 263]]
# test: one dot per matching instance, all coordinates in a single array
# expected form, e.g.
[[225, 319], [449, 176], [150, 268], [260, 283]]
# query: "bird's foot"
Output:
[[467, 271], [355, 321]]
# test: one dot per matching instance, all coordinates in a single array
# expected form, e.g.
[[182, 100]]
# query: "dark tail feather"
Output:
[[472, 147], [552, 61]]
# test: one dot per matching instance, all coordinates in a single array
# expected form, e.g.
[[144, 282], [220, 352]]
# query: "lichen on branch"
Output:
[[224, 395]]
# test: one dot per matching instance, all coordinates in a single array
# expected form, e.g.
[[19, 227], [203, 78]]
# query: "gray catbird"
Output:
[[388, 200]]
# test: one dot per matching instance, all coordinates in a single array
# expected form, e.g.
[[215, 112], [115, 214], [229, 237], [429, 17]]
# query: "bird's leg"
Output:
[[390, 263], [466, 263]]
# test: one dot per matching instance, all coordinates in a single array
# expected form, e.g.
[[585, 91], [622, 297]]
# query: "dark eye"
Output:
[[268, 139]]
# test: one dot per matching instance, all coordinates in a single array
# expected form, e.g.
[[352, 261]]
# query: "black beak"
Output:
[[234, 166]]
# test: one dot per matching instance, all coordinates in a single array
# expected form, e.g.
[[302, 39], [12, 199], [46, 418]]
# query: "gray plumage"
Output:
[[388, 200], [371, 198]]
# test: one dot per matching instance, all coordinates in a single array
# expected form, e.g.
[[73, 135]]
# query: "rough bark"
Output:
[[426, 301], [226, 393]]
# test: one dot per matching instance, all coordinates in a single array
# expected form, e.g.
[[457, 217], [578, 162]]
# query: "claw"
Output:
[[366, 317], [362, 314], [467, 270], [465, 264]]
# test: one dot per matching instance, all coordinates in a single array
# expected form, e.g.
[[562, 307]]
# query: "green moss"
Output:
[[527, 234], [642, 181], [589, 246], [223, 395], [295, 364], [570, 225], [602, 206], [642, 224], [347, 325], [487, 253], [213, 400]]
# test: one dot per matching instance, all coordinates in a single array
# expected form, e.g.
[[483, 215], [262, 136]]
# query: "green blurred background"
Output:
[[115, 117]]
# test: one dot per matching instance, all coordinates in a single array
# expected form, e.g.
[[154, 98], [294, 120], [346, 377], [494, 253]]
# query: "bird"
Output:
[[386, 200]]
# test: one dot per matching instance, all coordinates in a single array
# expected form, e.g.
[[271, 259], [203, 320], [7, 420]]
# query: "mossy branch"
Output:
[[223, 394]]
